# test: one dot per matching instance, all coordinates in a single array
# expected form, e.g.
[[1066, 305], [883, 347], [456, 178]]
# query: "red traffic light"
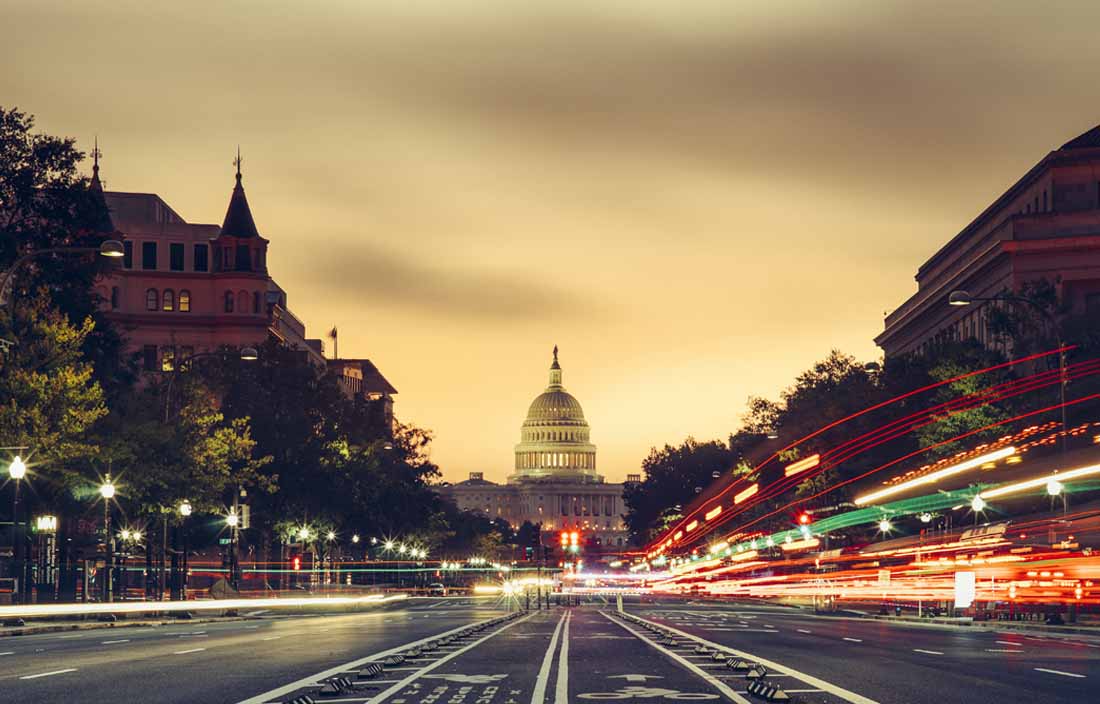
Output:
[[295, 563], [564, 538], [804, 519], [573, 537]]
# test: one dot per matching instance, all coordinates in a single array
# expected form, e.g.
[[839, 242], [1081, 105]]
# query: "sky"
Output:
[[694, 200]]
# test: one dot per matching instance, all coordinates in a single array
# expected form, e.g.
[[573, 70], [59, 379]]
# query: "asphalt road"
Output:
[[560, 656]]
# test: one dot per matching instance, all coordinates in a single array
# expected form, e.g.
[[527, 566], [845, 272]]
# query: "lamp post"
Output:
[[112, 249], [179, 553], [233, 520], [107, 492], [17, 470], [963, 298]]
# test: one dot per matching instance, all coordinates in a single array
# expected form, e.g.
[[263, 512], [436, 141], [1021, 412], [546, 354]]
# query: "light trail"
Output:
[[121, 607], [936, 476]]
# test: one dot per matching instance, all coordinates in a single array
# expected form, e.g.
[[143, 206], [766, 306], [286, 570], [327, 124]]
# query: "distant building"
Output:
[[185, 288], [554, 480], [1045, 226]]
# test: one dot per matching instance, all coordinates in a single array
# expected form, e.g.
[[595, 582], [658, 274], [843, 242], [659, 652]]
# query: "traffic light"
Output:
[[804, 519], [564, 539], [296, 563], [574, 542]]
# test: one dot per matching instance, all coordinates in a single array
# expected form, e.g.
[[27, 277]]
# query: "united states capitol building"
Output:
[[554, 480]]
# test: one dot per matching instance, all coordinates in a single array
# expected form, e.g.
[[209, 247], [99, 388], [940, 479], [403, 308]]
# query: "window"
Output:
[[1044, 201], [128, 254], [242, 301], [114, 297], [228, 301], [185, 355], [149, 355], [151, 299], [167, 359], [149, 255], [168, 299], [175, 256], [256, 302], [242, 258], [202, 253], [185, 301], [227, 263]]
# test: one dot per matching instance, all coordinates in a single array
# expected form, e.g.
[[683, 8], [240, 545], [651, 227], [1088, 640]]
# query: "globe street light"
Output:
[[107, 492], [179, 553], [17, 470], [185, 508]]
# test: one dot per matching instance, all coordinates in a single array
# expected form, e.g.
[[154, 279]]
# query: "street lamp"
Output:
[[961, 297], [245, 354], [112, 249], [355, 538], [185, 509], [17, 470], [107, 492], [179, 553]]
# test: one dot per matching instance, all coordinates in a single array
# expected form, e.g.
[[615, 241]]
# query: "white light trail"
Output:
[[936, 476]]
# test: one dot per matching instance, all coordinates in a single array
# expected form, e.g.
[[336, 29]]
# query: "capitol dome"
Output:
[[554, 440]]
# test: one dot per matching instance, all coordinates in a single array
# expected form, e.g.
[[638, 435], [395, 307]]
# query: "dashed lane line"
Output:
[[187, 652], [927, 652], [10, 652], [1059, 672], [113, 642], [48, 674], [1002, 650], [803, 630], [853, 640]]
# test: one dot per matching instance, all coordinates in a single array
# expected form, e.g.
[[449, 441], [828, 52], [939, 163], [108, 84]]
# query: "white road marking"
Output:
[[278, 692], [48, 674], [1002, 650], [1059, 672], [112, 642], [772, 665], [803, 630], [1009, 642], [539, 693], [185, 652], [272, 638], [10, 652], [853, 640], [561, 691], [927, 652], [77, 636]]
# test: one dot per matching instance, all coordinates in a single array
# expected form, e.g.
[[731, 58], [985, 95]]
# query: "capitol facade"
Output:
[[554, 481]]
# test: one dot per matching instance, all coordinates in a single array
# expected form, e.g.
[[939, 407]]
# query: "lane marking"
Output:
[[1002, 650], [48, 674], [185, 652], [561, 691], [539, 694], [854, 640], [1009, 642], [845, 694], [278, 692], [272, 638], [706, 676], [803, 630], [927, 652], [1059, 672], [112, 642], [394, 689], [10, 652]]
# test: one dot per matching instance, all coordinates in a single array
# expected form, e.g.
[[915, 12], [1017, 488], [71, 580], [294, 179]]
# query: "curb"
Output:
[[95, 625]]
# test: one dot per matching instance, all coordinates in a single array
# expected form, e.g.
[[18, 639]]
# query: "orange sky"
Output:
[[695, 200]]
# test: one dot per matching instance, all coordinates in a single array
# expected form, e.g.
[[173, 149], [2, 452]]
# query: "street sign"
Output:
[[224, 541]]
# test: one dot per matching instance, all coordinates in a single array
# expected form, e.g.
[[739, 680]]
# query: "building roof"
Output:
[[1086, 140], [555, 403], [142, 209], [373, 381], [238, 217]]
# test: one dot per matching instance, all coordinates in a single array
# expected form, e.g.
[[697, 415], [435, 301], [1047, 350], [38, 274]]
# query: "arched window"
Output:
[[114, 297], [242, 301], [228, 301], [151, 299], [168, 299], [185, 301], [256, 302]]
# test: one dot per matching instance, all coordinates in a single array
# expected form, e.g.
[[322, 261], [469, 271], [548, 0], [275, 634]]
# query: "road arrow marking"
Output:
[[635, 678]]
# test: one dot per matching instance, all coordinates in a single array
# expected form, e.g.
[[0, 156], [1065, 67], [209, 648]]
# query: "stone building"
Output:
[[555, 480], [1045, 226]]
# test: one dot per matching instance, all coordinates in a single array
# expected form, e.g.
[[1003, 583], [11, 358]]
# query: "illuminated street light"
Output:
[[926, 517], [232, 520], [330, 536], [305, 533], [249, 354], [17, 469], [884, 526], [107, 489], [185, 509], [388, 545], [355, 538], [125, 534], [977, 504], [136, 535], [1054, 487]]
